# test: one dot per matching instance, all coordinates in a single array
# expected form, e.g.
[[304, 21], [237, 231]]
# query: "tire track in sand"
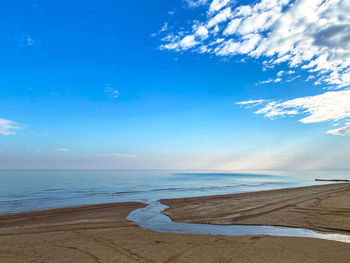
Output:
[[180, 254], [115, 247], [82, 251]]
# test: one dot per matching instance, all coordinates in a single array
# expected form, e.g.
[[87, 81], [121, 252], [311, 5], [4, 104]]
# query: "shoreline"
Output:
[[107, 212], [101, 234], [323, 208], [333, 180], [177, 209]]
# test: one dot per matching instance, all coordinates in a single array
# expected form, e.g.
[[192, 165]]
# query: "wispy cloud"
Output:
[[117, 155], [27, 40], [343, 131], [163, 29], [216, 5], [269, 80], [282, 73], [111, 90], [8, 127], [195, 3], [329, 106], [62, 150], [250, 102], [280, 76]]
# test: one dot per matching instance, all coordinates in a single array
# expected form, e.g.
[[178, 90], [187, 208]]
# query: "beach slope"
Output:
[[101, 234], [322, 207]]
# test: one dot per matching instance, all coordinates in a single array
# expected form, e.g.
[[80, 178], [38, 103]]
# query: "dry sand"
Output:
[[325, 208], [100, 233]]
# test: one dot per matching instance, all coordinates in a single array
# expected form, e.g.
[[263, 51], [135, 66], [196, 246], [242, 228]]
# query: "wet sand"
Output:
[[101, 233], [324, 208]]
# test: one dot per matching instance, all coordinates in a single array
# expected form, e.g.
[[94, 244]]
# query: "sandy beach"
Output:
[[101, 233], [324, 208]]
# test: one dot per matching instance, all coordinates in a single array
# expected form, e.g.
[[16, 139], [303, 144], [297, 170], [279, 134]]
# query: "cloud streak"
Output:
[[343, 131], [329, 106], [112, 91], [117, 155], [195, 3], [8, 127], [62, 150]]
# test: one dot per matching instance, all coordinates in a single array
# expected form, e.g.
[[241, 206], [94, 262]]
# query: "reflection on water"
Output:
[[150, 217], [31, 190]]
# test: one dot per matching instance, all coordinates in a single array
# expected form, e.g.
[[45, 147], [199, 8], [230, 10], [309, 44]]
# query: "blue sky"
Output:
[[207, 84]]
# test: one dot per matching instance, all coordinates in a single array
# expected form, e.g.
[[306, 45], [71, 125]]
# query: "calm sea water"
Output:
[[31, 190]]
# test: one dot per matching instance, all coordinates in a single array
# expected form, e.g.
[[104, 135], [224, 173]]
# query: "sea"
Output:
[[25, 190]]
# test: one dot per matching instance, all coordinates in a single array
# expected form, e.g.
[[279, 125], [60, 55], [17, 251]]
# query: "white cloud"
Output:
[[279, 77], [118, 155], [217, 5], [62, 150], [311, 35], [188, 42], [329, 106], [278, 80], [30, 41], [115, 93], [8, 127], [282, 72], [266, 81], [343, 131], [164, 27], [220, 17], [196, 3], [199, 33], [112, 91], [202, 32], [269, 80], [232, 26], [26, 41], [250, 102]]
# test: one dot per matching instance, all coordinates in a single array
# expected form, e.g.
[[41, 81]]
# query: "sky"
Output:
[[184, 84]]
